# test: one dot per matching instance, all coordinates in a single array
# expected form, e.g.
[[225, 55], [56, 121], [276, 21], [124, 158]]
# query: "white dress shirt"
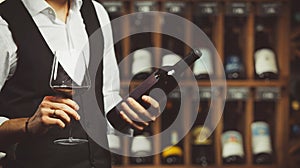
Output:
[[64, 37]]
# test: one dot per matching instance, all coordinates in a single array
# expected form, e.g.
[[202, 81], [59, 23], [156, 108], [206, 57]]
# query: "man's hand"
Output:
[[136, 115], [53, 111]]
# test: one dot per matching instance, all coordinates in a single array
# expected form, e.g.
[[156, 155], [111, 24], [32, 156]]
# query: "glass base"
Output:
[[70, 141]]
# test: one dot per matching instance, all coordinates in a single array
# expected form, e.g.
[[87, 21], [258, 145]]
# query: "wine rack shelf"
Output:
[[229, 83], [188, 166], [215, 29]]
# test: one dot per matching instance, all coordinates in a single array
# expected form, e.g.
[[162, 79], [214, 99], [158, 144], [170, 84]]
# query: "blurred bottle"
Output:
[[295, 11], [295, 112], [202, 142], [295, 96], [234, 66], [232, 140], [295, 131], [115, 10], [114, 143], [261, 140], [169, 42], [173, 154], [203, 68], [141, 149], [142, 64], [141, 23], [264, 57], [170, 59]]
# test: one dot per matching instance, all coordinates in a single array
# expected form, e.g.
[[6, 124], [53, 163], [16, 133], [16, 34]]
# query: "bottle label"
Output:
[[141, 144], [204, 65], [261, 142], [172, 151], [141, 62], [174, 138], [265, 61], [232, 144], [233, 64], [114, 141], [201, 136]]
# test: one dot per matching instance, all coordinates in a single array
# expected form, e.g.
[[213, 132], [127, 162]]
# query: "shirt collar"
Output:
[[36, 6], [76, 4]]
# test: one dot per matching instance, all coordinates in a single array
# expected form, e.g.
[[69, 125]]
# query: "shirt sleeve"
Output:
[[111, 77], [8, 54]]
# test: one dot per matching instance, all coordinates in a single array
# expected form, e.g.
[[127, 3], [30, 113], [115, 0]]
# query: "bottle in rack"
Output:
[[234, 66], [203, 68], [142, 22], [295, 107], [203, 16], [202, 146], [142, 64], [141, 148], [173, 154], [232, 140], [172, 147], [264, 56], [114, 143], [295, 113], [261, 138], [163, 78], [115, 10], [170, 42]]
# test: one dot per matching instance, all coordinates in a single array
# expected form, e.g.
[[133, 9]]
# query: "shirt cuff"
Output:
[[2, 120]]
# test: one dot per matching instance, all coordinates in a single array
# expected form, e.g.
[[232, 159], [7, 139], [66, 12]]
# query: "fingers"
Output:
[[62, 105], [136, 115], [61, 115], [129, 121], [154, 104], [58, 111], [140, 110], [66, 101], [132, 115], [53, 121]]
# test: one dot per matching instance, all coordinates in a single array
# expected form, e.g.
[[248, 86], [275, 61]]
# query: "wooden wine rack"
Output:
[[281, 115]]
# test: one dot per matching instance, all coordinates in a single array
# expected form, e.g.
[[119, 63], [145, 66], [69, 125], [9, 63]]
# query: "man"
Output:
[[30, 32]]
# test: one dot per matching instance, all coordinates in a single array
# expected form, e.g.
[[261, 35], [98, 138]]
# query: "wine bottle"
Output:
[[203, 68], [171, 110], [142, 22], [232, 140], [295, 14], [115, 10], [141, 149], [261, 143], [173, 154], [163, 78], [202, 143], [142, 65], [114, 144], [295, 110], [202, 147], [170, 42], [234, 66], [170, 59], [264, 57], [261, 140]]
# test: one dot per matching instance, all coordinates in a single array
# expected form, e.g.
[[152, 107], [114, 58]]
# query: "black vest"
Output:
[[22, 93]]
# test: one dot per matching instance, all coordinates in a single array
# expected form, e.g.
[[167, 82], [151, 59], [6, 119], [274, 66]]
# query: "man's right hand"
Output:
[[53, 111]]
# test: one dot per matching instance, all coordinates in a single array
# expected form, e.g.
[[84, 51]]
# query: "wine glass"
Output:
[[67, 87]]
